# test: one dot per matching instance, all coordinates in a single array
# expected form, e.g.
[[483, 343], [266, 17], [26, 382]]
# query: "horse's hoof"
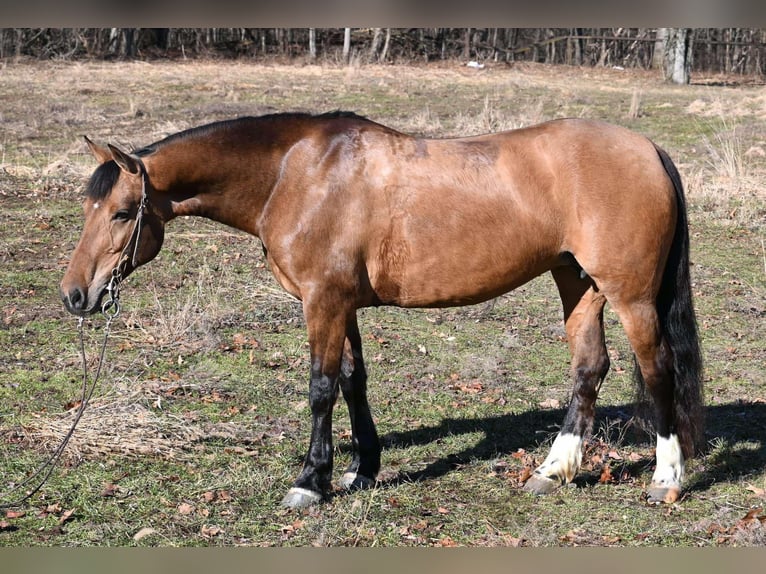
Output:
[[658, 494], [539, 484], [355, 481], [300, 498]]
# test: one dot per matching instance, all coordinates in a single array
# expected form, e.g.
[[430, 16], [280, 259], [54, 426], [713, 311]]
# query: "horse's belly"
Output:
[[458, 276]]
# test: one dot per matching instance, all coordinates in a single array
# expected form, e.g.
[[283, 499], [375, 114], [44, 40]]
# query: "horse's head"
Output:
[[124, 228]]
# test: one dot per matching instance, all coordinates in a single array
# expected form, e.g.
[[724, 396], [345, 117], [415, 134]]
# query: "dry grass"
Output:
[[210, 354]]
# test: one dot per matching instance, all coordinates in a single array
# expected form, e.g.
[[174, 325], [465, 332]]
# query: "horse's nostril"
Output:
[[76, 299]]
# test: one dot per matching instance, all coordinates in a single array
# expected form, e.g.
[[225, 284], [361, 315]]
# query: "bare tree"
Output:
[[346, 44], [313, 44], [375, 45], [678, 55], [386, 44]]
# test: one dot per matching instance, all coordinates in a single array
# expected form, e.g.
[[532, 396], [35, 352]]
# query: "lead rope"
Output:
[[110, 309]]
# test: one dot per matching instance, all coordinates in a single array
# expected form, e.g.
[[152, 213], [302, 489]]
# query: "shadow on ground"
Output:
[[735, 434]]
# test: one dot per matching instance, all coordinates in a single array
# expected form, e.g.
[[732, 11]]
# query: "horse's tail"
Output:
[[679, 326]]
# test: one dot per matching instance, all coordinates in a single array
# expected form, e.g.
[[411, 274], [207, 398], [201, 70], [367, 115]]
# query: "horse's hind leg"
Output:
[[365, 462], [655, 362], [583, 317]]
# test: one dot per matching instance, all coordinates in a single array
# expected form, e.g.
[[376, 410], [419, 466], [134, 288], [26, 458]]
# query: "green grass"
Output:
[[201, 420]]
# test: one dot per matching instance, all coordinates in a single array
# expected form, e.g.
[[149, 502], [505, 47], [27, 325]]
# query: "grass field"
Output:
[[201, 420]]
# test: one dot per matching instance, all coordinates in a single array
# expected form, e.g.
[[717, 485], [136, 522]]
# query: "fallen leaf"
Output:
[[634, 457], [66, 515], [606, 475], [185, 508], [613, 454], [759, 492], [110, 489], [550, 404], [6, 526], [210, 531], [143, 533], [15, 513], [447, 542], [524, 474], [754, 516], [290, 529]]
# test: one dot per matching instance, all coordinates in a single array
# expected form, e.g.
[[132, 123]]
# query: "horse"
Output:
[[353, 214]]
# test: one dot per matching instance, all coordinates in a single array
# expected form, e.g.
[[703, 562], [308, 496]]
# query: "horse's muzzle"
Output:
[[76, 301]]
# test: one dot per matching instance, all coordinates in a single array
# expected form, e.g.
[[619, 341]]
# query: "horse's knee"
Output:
[[323, 391]]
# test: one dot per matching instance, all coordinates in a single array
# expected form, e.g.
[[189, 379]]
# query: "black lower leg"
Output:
[[364, 438], [317, 468]]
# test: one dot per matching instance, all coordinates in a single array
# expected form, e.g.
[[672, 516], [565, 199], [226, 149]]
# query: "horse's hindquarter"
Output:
[[470, 219]]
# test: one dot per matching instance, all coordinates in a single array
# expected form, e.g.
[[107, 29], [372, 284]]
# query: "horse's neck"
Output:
[[215, 185]]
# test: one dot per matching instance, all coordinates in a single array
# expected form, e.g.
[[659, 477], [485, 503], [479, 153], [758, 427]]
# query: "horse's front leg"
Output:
[[327, 333]]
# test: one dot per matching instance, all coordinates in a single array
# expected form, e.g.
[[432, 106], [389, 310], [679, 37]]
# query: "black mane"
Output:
[[105, 177]]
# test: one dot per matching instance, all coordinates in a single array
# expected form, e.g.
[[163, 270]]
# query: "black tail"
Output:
[[679, 327]]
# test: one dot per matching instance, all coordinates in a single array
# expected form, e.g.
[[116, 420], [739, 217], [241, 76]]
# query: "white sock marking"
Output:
[[670, 462], [564, 458]]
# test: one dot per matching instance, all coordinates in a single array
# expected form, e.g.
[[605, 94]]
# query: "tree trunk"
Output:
[[346, 44], [467, 44], [312, 44], [130, 42], [678, 55], [660, 39], [386, 44], [375, 45]]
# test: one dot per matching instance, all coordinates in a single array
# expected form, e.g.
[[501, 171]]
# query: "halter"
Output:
[[111, 307]]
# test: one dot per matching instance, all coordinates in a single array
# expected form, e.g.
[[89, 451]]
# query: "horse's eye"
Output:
[[122, 215]]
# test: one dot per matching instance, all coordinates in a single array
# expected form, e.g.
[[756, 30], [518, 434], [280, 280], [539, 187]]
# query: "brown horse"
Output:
[[354, 214]]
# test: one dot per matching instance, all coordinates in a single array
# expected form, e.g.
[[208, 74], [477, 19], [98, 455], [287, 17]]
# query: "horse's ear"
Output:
[[126, 161], [101, 153]]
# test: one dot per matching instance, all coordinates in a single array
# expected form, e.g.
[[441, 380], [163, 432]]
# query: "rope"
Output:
[[46, 469]]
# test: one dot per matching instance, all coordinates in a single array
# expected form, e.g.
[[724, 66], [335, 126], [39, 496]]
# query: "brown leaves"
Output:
[[600, 457], [518, 475], [289, 530], [471, 387], [6, 526], [550, 404], [240, 343], [754, 520], [50, 511], [56, 511], [210, 531]]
